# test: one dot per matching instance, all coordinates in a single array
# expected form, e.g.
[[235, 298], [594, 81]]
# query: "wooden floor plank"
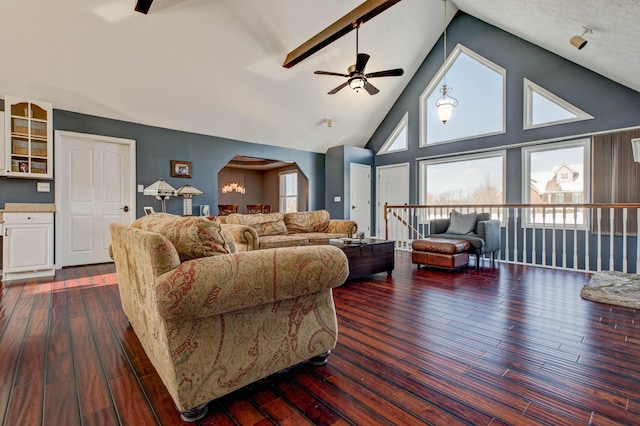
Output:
[[506, 344]]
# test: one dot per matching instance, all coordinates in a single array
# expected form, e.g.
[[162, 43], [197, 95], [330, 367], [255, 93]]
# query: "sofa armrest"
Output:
[[245, 237], [438, 226], [226, 283], [489, 231], [341, 226]]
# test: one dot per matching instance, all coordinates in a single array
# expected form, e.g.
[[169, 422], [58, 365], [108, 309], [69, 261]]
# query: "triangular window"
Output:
[[543, 108], [399, 138]]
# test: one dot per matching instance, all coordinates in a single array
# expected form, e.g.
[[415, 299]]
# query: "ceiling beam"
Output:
[[342, 26], [143, 6]]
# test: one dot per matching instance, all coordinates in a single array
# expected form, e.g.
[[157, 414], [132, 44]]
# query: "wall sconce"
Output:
[[578, 41], [161, 190], [188, 192]]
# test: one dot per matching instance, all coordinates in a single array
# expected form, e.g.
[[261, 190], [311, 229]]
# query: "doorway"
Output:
[[360, 196], [95, 186], [393, 189]]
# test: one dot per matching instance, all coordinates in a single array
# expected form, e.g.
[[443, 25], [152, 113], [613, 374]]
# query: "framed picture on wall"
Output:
[[148, 210], [181, 169], [204, 210]]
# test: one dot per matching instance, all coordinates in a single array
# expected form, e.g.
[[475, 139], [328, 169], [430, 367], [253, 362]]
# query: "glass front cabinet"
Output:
[[28, 138]]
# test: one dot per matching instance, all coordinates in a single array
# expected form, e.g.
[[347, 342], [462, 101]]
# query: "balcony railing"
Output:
[[581, 237]]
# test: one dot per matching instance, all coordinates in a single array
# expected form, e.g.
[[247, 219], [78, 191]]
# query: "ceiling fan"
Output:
[[357, 79]]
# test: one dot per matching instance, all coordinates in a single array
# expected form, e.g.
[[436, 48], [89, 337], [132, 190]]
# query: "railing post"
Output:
[[611, 237], [624, 240], [599, 239]]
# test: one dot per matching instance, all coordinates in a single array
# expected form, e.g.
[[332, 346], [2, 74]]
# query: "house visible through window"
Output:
[[557, 174], [289, 192]]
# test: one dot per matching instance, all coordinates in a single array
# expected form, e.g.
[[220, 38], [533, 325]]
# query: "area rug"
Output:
[[616, 288]]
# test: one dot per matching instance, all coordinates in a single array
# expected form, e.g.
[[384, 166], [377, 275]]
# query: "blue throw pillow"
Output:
[[462, 223]]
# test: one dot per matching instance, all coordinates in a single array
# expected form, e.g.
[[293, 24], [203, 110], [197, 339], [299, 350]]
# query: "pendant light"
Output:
[[445, 103]]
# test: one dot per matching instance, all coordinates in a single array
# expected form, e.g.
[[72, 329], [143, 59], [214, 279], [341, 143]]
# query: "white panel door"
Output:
[[94, 187], [360, 196], [393, 189]]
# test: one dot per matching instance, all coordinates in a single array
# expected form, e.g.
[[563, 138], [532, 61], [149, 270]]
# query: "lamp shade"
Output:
[[188, 192], [357, 83], [445, 109], [160, 188]]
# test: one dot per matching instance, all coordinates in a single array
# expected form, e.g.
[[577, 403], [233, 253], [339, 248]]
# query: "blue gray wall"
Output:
[[337, 171], [156, 147], [614, 106]]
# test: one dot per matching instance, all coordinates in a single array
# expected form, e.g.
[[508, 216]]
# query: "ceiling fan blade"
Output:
[[330, 73], [342, 86], [388, 73], [363, 58], [361, 14], [370, 88], [143, 6]]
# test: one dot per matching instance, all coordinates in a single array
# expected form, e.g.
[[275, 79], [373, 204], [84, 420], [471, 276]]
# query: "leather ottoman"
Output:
[[440, 252]]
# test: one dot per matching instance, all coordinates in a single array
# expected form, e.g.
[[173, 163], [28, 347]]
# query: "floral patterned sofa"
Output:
[[274, 230], [211, 320]]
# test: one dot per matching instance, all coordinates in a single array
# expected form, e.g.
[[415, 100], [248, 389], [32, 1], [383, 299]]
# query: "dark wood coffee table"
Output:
[[368, 257]]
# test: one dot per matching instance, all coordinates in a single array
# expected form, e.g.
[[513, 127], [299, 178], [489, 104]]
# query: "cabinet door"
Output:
[[28, 248], [28, 138]]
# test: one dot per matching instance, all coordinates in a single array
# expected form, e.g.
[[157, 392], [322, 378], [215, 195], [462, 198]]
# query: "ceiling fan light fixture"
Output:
[[357, 83]]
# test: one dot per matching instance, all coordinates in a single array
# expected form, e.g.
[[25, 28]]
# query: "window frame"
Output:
[[529, 87], [402, 125], [423, 163], [433, 85], [282, 176], [585, 143]]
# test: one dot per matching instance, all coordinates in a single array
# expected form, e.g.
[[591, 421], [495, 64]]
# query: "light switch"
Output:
[[140, 188], [43, 187], [337, 199]]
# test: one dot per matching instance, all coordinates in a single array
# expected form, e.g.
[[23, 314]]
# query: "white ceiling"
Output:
[[215, 66]]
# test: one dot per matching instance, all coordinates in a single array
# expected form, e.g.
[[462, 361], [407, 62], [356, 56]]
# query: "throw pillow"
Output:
[[462, 223], [264, 224], [193, 237], [305, 222]]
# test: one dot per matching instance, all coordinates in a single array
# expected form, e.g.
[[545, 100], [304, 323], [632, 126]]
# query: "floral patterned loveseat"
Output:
[[273, 230], [211, 320]]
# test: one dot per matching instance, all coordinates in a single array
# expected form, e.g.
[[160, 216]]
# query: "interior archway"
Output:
[[259, 178]]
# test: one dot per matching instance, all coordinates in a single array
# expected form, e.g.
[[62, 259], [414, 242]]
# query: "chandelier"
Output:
[[233, 187]]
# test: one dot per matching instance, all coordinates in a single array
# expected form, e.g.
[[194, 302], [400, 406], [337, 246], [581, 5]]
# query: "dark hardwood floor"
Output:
[[501, 345]]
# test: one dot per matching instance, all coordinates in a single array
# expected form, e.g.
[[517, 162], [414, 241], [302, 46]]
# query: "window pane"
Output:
[[473, 181], [400, 142], [545, 111], [557, 176], [480, 93]]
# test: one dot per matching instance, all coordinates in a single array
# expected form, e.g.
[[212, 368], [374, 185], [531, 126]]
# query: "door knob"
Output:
[[353, 207], [125, 208]]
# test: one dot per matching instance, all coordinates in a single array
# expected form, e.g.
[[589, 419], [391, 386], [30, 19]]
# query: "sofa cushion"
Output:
[[462, 223], [321, 237], [279, 241], [193, 236], [313, 221], [264, 224], [477, 243]]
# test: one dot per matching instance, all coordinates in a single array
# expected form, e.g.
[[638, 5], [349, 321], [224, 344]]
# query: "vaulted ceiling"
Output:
[[215, 66]]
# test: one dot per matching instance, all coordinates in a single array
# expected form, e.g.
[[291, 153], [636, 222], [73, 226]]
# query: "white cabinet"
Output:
[[27, 245], [28, 138]]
